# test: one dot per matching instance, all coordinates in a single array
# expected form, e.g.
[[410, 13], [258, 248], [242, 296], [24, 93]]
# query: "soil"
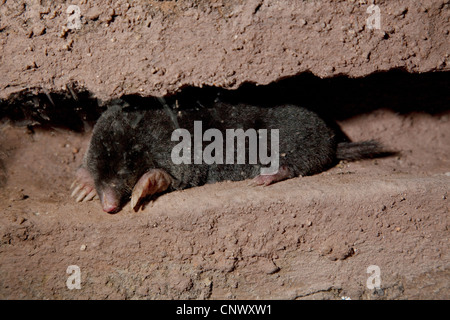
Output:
[[304, 238]]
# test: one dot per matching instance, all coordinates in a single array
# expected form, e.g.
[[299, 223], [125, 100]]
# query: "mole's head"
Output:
[[115, 175], [116, 159]]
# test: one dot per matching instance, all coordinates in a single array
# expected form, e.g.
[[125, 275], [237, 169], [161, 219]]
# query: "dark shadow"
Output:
[[70, 108], [336, 98], [342, 97]]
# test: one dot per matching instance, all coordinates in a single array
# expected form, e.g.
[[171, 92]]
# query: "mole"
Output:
[[137, 152]]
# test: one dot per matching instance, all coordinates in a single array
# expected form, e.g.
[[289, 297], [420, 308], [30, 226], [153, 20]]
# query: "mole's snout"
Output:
[[110, 208], [110, 202]]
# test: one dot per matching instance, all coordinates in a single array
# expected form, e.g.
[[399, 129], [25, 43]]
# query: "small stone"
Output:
[[38, 30], [64, 32], [207, 282]]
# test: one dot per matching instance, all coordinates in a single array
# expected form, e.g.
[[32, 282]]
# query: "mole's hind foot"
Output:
[[267, 179], [83, 186], [152, 182]]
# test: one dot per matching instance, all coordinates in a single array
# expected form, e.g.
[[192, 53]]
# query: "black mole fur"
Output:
[[129, 140]]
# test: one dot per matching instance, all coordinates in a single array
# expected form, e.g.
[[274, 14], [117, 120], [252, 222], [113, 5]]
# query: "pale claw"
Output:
[[81, 196], [252, 183], [135, 199], [261, 181], [83, 186], [77, 188], [91, 195], [141, 190]]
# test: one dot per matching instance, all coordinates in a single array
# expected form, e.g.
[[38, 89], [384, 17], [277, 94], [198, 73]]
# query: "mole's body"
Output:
[[131, 150]]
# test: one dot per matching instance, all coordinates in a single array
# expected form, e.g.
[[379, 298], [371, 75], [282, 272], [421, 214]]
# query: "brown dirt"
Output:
[[305, 238]]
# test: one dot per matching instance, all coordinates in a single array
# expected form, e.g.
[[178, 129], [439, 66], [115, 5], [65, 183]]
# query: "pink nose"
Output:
[[109, 203], [110, 208]]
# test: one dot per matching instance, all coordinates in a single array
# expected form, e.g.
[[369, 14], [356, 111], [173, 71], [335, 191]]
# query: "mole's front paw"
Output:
[[152, 182], [83, 186]]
